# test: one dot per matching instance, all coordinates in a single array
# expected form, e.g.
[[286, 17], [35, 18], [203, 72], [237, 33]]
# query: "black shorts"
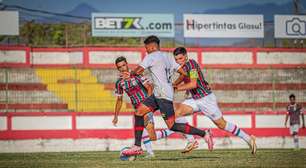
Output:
[[165, 106]]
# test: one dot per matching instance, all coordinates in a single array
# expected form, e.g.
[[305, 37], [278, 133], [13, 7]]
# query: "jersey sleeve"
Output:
[[118, 89], [146, 62], [142, 79]]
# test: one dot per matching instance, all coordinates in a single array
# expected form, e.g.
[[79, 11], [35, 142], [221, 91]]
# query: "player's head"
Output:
[[122, 64], [180, 55], [151, 44], [292, 98]]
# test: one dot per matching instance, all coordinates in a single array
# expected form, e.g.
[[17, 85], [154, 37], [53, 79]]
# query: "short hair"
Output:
[[180, 50], [291, 96], [152, 39], [119, 59]]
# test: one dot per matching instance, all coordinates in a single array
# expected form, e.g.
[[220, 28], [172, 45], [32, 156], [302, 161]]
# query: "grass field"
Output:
[[198, 158]]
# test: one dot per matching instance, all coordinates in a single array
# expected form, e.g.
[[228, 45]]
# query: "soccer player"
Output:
[[138, 88], [202, 97], [161, 67], [294, 111]]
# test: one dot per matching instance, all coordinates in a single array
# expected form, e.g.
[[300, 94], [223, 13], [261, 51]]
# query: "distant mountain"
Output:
[[82, 12], [268, 9]]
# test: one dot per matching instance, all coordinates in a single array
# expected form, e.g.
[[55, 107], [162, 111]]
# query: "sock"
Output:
[[187, 129], [183, 120], [163, 133], [296, 141], [233, 129], [147, 142], [139, 125]]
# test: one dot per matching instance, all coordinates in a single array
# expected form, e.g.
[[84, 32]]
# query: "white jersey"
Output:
[[161, 66]]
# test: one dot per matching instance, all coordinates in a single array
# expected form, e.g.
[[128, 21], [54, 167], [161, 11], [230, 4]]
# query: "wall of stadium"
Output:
[[70, 131]]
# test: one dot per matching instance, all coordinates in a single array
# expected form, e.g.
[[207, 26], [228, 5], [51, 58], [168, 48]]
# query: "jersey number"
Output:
[[168, 75]]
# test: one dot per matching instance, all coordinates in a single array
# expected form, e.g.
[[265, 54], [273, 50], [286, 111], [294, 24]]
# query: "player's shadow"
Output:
[[188, 158]]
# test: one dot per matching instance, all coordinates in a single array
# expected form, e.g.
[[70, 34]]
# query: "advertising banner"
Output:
[[290, 26], [132, 25], [223, 26]]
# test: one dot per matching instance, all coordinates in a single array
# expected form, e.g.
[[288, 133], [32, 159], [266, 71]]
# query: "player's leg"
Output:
[[167, 110], [149, 134], [209, 107], [142, 109], [294, 132], [189, 106]]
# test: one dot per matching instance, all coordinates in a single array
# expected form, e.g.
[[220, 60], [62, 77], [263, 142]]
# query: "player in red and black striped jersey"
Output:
[[294, 111], [203, 99]]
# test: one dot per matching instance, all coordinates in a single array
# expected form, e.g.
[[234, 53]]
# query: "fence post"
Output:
[[6, 90], [273, 89], [76, 89]]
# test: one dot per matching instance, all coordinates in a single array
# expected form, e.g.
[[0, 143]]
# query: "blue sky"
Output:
[[137, 6]]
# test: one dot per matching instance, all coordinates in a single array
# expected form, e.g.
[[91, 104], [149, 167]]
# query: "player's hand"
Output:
[[115, 121], [125, 75]]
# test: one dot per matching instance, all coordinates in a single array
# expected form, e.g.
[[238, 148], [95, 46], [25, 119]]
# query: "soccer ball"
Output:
[[124, 157]]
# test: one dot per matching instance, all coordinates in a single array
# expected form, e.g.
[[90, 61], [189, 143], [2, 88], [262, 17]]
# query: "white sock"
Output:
[[232, 128], [183, 120], [163, 133], [296, 141], [147, 142]]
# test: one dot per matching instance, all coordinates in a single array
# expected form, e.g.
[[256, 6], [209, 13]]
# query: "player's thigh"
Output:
[[182, 109], [294, 129], [148, 105], [167, 111], [209, 106]]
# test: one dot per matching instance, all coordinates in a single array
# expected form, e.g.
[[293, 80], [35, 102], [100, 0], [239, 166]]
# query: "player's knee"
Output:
[[137, 113], [221, 125], [153, 137]]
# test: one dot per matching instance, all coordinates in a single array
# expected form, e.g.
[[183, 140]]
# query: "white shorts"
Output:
[[207, 105], [294, 128]]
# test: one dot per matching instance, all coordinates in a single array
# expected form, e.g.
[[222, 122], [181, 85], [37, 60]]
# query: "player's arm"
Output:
[[149, 88], [179, 80], [302, 115], [137, 71], [191, 84], [286, 119], [117, 110]]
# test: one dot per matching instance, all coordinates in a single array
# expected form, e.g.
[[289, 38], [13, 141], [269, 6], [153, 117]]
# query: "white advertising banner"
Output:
[[9, 21], [223, 26], [290, 26]]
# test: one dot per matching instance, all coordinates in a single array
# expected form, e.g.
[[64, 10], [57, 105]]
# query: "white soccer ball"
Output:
[[124, 157]]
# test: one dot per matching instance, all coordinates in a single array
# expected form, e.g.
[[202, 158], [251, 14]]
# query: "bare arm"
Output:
[[302, 115], [187, 86], [149, 88], [137, 71], [286, 119], [117, 110]]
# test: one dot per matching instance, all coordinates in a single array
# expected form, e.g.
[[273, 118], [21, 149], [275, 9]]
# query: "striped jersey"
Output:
[[193, 71], [294, 111], [133, 87]]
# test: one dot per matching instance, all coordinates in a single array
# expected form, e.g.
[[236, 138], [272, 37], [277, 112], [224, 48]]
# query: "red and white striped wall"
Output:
[[72, 125], [103, 57]]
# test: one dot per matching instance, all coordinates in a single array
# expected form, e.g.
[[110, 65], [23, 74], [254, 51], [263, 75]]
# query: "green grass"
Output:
[[198, 158]]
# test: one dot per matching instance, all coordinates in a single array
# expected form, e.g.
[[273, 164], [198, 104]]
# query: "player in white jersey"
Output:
[[161, 67]]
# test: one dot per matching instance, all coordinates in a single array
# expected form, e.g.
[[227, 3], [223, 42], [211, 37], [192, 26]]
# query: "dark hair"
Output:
[[151, 39], [119, 59], [180, 50], [291, 96]]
